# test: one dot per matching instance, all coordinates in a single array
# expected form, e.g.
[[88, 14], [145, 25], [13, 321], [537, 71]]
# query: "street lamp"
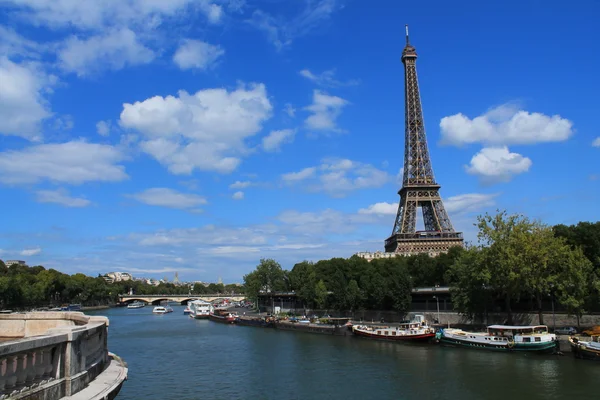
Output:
[[437, 300]]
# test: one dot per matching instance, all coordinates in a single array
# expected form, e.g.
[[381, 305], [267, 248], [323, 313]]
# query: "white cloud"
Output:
[[61, 196], [470, 202], [21, 96], [497, 164], [289, 110], [240, 185], [238, 195], [197, 54], [382, 208], [96, 15], [505, 125], [325, 109], [72, 162], [596, 142], [13, 44], [113, 50], [103, 127], [327, 79], [31, 252], [282, 32], [165, 197], [300, 175], [276, 139], [205, 130], [336, 177]]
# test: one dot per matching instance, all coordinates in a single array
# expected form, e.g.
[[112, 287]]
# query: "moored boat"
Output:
[[586, 349], [136, 304], [200, 309], [327, 326], [162, 309], [187, 310], [416, 330], [535, 338], [224, 317], [261, 322]]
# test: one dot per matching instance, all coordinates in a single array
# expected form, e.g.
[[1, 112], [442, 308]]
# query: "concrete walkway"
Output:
[[107, 385]]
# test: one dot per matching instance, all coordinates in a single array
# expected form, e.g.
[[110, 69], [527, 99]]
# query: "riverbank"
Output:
[[94, 308]]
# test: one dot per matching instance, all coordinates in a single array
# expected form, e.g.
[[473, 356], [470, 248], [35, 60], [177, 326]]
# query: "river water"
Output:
[[175, 357]]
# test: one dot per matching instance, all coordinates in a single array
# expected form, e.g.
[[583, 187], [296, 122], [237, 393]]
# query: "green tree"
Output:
[[321, 294], [354, 295]]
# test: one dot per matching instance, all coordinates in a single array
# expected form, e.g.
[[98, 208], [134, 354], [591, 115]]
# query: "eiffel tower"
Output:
[[419, 188]]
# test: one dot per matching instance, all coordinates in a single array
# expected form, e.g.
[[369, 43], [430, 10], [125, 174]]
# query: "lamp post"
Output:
[[437, 300]]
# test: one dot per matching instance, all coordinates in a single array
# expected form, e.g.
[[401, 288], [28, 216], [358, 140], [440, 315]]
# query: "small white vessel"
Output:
[[136, 304], [200, 309], [162, 309]]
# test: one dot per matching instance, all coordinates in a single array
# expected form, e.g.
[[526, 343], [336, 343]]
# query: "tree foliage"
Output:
[[519, 258]]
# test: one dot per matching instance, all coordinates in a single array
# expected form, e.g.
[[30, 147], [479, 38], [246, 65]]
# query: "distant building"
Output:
[[10, 263], [112, 277]]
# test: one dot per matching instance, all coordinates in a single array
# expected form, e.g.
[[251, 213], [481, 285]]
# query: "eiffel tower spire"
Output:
[[419, 187]]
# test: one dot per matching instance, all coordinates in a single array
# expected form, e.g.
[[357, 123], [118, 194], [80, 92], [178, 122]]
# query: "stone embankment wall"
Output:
[[50, 355]]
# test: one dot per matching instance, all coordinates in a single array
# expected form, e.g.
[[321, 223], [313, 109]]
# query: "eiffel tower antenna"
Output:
[[419, 188]]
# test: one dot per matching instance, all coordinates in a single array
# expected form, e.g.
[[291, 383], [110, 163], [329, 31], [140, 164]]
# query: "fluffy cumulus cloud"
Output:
[[113, 50], [165, 197], [62, 197], [274, 140], [326, 78], [505, 125], [72, 162], [22, 98], [204, 131], [382, 208], [497, 164], [238, 195], [596, 142], [325, 110], [196, 54], [337, 177]]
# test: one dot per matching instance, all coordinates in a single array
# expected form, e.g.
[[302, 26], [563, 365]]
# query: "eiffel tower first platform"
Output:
[[419, 188]]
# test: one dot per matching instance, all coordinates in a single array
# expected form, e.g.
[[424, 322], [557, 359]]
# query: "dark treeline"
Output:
[[516, 260], [354, 283], [23, 287]]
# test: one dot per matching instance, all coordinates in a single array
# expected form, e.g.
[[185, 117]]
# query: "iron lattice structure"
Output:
[[419, 188]]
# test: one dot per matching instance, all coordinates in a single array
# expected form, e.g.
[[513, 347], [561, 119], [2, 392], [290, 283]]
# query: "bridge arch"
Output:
[[156, 302], [131, 300]]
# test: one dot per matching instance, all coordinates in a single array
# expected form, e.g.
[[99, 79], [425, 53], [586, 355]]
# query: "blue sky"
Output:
[[199, 136]]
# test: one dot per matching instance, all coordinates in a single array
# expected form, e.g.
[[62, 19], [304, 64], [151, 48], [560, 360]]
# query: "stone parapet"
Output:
[[50, 355]]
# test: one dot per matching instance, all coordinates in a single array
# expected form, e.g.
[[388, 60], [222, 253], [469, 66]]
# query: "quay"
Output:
[[57, 355]]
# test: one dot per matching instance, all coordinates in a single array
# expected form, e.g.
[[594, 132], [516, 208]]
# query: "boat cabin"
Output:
[[509, 330]]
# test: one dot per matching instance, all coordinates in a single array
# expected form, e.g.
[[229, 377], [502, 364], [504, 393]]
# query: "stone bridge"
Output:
[[180, 298]]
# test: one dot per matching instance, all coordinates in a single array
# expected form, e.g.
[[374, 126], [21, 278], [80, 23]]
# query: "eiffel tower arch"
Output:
[[419, 187]]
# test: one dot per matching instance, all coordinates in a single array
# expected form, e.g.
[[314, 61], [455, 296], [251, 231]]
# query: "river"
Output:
[[175, 357]]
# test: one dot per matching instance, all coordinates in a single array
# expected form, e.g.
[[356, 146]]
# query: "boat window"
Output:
[[393, 333], [526, 340], [538, 339]]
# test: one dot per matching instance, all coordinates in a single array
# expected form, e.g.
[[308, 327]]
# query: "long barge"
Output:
[[223, 317], [334, 326]]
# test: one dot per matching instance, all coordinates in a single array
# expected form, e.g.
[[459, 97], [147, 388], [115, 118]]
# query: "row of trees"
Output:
[[516, 260], [26, 287], [353, 283]]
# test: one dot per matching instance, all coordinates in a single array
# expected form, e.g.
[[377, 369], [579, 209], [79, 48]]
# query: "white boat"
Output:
[[535, 338], [415, 330], [136, 304], [200, 309], [162, 309], [586, 349]]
